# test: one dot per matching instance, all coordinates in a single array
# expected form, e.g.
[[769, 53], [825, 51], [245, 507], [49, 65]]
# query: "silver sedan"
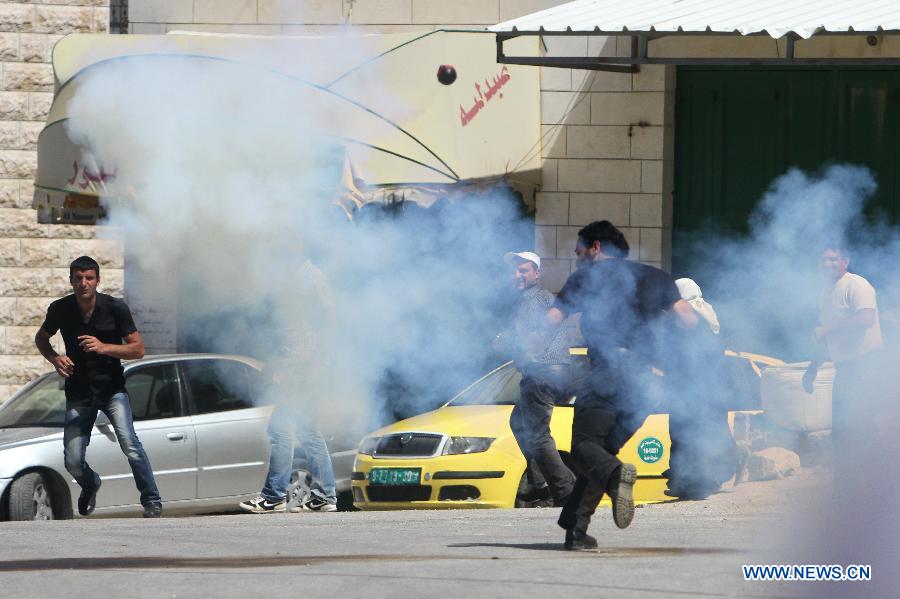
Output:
[[199, 416]]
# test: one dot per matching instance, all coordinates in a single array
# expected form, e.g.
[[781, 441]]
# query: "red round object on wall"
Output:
[[446, 74]]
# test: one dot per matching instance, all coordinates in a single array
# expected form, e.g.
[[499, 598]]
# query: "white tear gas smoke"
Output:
[[766, 288], [231, 194]]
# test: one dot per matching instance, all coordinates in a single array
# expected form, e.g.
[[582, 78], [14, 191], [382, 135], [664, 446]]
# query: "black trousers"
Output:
[[616, 400], [540, 391]]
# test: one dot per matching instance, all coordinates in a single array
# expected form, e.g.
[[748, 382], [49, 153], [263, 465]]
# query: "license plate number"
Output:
[[395, 476]]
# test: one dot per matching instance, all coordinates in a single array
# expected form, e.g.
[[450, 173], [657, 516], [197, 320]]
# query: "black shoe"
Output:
[[622, 497], [87, 500], [579, 541], [153, 510]]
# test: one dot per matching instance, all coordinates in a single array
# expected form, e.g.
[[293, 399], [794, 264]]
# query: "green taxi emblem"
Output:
[[650, 450]]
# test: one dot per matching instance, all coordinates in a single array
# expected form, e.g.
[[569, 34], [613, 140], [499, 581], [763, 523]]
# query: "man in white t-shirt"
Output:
[[848, 334]]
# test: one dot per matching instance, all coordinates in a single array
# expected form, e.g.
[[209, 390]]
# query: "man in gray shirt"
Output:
[[542, 356]]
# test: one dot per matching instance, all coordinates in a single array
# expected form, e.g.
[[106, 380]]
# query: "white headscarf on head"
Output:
[[690, 292]]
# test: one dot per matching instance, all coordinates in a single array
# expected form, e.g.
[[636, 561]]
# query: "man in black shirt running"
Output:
[[93, 327], [625, 308]]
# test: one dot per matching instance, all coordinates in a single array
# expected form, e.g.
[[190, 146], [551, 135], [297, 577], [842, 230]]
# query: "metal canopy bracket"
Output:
[[640, 43]]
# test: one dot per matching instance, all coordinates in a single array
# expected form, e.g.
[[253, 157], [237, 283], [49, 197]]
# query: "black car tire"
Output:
[[30, 498]]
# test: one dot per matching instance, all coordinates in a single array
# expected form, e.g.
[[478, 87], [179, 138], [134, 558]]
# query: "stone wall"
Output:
[[33, 257]]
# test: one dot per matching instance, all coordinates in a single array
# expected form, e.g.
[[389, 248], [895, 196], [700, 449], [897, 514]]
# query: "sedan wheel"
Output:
[[30, 499]]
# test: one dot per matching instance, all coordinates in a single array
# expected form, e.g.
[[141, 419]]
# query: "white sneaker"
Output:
[[317, 504], [259, 505]]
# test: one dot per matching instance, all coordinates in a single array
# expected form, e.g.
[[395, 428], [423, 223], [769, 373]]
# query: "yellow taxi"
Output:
[[464, 455]]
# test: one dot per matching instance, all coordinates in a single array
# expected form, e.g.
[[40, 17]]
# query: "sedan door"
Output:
[[232, 443], [165, 431]]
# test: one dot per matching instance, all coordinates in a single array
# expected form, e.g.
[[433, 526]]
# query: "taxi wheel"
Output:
[[30, 498]]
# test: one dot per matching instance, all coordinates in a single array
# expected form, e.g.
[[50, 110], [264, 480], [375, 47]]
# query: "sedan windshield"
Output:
[[42, 405]]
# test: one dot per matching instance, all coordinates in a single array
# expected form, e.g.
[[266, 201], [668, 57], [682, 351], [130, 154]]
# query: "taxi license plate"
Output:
[[395, 476]]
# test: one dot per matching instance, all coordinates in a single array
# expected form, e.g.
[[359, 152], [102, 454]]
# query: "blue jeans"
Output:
[[286, 425], [77, 435]]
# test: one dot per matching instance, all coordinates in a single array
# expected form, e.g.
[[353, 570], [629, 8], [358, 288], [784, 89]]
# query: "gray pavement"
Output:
[[684, 549]]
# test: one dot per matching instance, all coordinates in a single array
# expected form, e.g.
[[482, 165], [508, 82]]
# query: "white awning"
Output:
[[805, 18]]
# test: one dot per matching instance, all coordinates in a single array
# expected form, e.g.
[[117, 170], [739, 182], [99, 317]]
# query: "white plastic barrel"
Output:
[[787, 404]]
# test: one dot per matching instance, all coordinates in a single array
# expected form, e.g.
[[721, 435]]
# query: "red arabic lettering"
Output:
[[485, 94], [88, 177]]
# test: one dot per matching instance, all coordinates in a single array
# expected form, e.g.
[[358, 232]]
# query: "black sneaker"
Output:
[[259, 505], [88, 500], [153, 510], [622, 497], [579, 541]]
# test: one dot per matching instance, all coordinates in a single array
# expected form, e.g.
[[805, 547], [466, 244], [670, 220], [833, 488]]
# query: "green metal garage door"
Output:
[[737, 129]]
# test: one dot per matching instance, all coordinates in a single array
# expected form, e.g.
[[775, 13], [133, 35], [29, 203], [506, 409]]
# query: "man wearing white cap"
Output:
[[542, 356]]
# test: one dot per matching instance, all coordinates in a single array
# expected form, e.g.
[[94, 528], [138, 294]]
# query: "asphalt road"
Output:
[[684, 549]]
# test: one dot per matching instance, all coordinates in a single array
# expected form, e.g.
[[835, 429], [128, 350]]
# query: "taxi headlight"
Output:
[[458, 445], [367, 446]]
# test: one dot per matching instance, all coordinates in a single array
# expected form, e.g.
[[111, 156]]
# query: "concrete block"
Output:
[[109, 253], [18, 370], [554, 273], [27, 77], [588, 141], [9, 46], [20, 341], [30, 311], [566, 46], [44, 253], [161, 11], [7, 311], [17, 17], [9, 135], [381, 11], [553, 141], [646, 210], [617, 176], [587, 207], [16, 282], [627, 108], [550, 175], [13, 106], [16, 222], [651, 78], [772, 463], [513, 9], [100, 20], [147, 28], [113, 282], [9, 193], [35, 47], [651, 176], [553, 79], [9, 252], [72, 231], [566, 238], [647, 142], [545, 241], [63, 19], [39, 105], [570, 108], [28, 134], [26, 193], [225, 11], [605, 81], [602, 45], [308, 12], [651, 245], [552, 208], [17, 164]]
